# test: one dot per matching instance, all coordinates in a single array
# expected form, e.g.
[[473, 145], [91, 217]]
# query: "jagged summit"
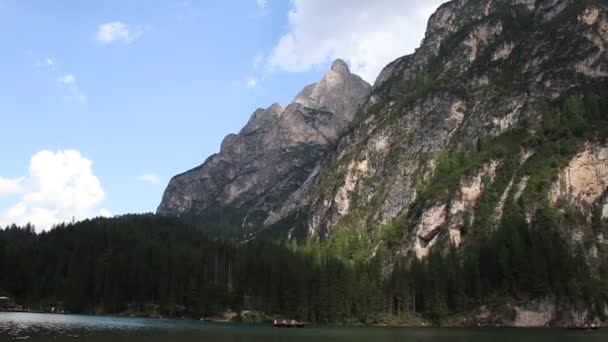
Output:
[[339, 91]]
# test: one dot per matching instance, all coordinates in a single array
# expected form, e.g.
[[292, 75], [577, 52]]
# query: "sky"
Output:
[[102, 102]]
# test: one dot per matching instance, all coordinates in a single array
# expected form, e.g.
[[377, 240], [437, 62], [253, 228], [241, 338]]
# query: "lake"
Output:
[[49, 327]]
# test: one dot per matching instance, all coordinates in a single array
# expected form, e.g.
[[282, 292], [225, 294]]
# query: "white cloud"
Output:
[[10, 186], [367, 34], [251, 82], [60, 187], [262, 3], [69, 81], [151, 178], [103, 212], [118, 32], [257, 61], [66, 79]]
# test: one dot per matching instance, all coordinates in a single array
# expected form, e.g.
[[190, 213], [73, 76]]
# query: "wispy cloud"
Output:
[[262, 3], [68, 81], [363, 34], [46, 62], [186, 10], [257, 61], [251, 82], [10, 186], [150, 178], [118, 32]]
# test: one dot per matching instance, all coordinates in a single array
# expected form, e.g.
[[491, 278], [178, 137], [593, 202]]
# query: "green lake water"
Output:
[[48, 327]]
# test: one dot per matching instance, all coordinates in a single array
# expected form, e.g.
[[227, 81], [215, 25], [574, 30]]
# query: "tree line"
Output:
[[125, 264]]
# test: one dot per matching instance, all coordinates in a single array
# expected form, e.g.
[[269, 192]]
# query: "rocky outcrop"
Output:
[[584, 182], [534, 314], [541, 312], [452, 214], [259, 168]]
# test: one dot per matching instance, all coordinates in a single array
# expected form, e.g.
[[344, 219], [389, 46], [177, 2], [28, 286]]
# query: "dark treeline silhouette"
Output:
[[132, 262]]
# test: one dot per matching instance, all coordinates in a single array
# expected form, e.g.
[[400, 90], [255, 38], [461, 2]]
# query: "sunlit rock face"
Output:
[[584, 182], [484, 68]]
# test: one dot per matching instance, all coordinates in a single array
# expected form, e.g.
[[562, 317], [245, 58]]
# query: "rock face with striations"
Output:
[[269, 159], [489, 75]]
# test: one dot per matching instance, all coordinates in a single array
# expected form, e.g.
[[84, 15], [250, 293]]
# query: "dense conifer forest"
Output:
[[144, 264]]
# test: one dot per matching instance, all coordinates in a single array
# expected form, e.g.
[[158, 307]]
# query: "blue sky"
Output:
[[102, 102]]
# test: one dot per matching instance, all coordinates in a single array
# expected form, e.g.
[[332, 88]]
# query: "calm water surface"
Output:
[[43, 327]]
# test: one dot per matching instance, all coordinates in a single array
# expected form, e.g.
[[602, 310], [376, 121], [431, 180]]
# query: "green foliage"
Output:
[[154, 265], [512, 258], [463, 160]]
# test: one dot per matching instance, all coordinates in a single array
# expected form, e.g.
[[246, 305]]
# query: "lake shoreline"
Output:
[[218, 320]]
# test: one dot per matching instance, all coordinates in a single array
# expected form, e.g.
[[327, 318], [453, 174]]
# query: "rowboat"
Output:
[[288, 324]]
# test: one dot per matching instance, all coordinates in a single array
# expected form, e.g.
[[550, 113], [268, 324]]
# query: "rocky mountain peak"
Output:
[[271, 157], [339, 91], [340, 67]]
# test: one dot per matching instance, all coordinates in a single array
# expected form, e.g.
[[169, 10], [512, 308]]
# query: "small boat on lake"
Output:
[[288, 324]]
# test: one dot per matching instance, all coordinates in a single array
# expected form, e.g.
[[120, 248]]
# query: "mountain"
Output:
[[502, 109], [245, 185], [503, 103]]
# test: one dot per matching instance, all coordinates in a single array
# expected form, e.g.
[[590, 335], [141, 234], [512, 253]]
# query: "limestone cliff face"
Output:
[[364, 159], [584, 182], [270, 158], [484, 69]]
